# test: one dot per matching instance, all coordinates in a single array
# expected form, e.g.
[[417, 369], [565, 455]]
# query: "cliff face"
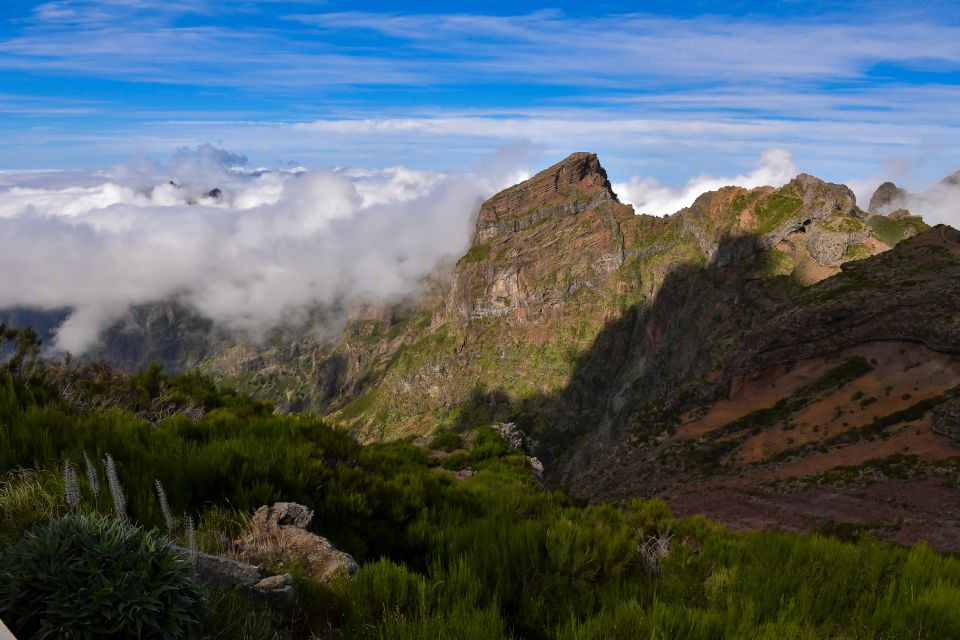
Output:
[[539, 242], [568, 306]]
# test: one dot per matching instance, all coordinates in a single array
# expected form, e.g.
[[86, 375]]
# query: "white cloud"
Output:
[[648, 195], [272, 245], [940, 203]]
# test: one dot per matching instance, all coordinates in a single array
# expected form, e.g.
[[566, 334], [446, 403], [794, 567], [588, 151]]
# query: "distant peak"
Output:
[[952, 180], [570, 187], [888, 197]]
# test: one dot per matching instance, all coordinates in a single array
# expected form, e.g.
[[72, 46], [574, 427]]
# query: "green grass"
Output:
[[477, 253], [891, 232], [777, 209]]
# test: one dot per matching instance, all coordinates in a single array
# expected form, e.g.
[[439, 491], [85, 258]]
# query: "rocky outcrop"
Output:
[[568, 188], [540, 242], [952, 180], [279, 534], [270, 519], [946, 420], [888, 197], [511, 435]]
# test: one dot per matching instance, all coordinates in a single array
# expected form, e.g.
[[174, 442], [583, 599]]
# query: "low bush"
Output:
[[85, 576]]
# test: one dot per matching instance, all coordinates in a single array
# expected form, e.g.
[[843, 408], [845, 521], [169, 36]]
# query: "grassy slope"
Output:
[[494, 556]]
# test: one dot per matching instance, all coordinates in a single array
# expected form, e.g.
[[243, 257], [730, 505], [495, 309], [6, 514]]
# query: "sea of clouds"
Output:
[[269, 245]]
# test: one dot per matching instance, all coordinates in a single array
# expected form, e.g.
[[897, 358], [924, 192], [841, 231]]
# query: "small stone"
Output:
[[272, 583], [276, 590], [536, 465]]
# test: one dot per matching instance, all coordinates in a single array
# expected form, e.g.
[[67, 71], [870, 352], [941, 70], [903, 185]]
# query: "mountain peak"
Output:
[[570, 187]]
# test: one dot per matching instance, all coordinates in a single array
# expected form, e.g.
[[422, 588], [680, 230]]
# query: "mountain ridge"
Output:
[[595, 329]]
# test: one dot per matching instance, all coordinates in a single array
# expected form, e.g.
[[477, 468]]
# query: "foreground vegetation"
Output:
[[491, 556]]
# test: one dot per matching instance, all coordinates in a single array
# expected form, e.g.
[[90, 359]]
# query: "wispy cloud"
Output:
[[672, 96]]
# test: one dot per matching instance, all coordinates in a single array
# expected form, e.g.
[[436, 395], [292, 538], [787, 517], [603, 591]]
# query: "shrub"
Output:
[[448, 441], [86, 576]]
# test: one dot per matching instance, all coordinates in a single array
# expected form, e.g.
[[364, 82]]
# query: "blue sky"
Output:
[[853, 90]]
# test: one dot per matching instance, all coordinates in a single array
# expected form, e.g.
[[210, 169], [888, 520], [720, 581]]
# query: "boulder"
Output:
[[278, 535], [282, 514], [512, 434]]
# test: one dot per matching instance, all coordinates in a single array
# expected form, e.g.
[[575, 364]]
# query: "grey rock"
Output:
[[512, 434], [828, 247], [888, 197], [536, 465], [276, 590], [282, 514], [219, 572], [900, 214]]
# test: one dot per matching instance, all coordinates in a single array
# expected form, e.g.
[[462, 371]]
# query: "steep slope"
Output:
[[557, 261]]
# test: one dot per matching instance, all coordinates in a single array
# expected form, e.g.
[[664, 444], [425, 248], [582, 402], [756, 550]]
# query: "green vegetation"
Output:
[[841, 222], [856, 252], [477, 253], [492, 556], [78, 575], [446, 441], [892, 231], [777, 209]]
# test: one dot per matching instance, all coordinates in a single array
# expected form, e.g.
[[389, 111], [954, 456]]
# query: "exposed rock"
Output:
[[946, 420], [888, 197], [536, 465], [952, 180], [276, 590], [269, 519], [214, 193], [568, 188], [463, 474], [828, 247], [278, 534], [512, 434], [220, 572]]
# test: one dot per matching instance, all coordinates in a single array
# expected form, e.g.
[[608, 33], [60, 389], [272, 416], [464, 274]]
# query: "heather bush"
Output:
[[88, 576]]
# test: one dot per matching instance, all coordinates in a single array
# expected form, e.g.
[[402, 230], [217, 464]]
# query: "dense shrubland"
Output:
[[492, 556]]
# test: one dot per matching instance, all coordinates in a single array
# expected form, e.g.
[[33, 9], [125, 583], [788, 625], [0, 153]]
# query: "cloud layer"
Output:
[[269, 245]]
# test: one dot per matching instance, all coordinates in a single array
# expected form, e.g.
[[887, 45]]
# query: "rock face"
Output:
[[568, 188], [540, 241], [279, 534], [946, 420], [888, 197]]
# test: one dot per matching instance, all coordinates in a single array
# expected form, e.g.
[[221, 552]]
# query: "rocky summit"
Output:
[[767, 355]]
